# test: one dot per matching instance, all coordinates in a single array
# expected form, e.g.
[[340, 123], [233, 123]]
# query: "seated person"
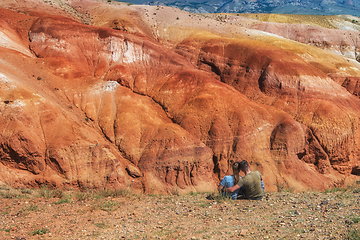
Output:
[[251, 186], [229, 181]]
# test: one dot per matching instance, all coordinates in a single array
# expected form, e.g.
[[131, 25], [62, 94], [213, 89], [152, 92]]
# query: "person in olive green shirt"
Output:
[[252, 182]]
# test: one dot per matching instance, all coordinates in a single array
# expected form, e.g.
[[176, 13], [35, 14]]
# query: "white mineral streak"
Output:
[[259, 33], [102, 87], [7, 42], [4, 78], [133, 53], [7, 82], [346, 25], [18, 103], [314, 84], [263, 127], [11, 85], [124, 51], [256, 131], [324, 85], [52, 43], [59, 45], [37, 37], [116, 49], [110, 86]]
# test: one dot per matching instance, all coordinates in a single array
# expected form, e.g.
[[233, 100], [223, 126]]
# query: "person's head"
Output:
[[244, 166], [236, 170]]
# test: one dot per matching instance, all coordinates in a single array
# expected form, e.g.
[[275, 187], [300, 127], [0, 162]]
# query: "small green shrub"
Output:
[[174, 191], [335, 189], [50, 193], [7, 210], [113, 193], [58, 193], [26, 191], [218, 197], [29, 208], [353, 234], [39, 231], [101, 225], [283, 187], [193, 193], [204, 205], [107, 206], [45, 192], [82, 196], [355, 219], [4, 187], [9, 194], [63, 200]]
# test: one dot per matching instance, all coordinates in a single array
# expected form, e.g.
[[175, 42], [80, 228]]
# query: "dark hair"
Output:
[[243, 165], [236, 171]]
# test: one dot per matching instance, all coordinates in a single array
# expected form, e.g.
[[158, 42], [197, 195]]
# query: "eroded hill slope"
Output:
[[156, 99]]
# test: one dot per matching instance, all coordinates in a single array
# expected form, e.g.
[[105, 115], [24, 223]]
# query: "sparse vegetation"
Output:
[[104, 205], [353, 234], [26, 191], [101, 225], [39, 231], [316, 20], [82, 196], [218, 198], [11, 193], [112, 193], [6, 210], [283, 187], [63, 200], [27, 209], [335, 190], [355, 219], [50, 193], [122, 214], [174, 191]]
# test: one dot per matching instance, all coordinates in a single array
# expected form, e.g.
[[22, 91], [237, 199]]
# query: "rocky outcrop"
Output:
[[276, 77], [352, 85], [65, 126]]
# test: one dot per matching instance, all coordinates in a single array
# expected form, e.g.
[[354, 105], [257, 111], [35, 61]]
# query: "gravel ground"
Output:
[[55, 214]]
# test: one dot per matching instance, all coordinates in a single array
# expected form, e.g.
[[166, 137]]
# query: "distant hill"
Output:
[[315, 7]]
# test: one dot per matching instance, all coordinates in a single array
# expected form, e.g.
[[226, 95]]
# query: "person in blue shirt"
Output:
[[229, 181]]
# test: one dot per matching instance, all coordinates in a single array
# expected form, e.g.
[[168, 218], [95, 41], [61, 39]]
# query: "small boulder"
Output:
[[133, 171]]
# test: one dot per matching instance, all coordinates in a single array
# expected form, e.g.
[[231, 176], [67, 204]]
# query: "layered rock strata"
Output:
[[94, 107]]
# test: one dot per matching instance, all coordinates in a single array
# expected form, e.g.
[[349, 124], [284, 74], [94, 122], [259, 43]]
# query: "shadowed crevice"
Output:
[[213, 67]]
